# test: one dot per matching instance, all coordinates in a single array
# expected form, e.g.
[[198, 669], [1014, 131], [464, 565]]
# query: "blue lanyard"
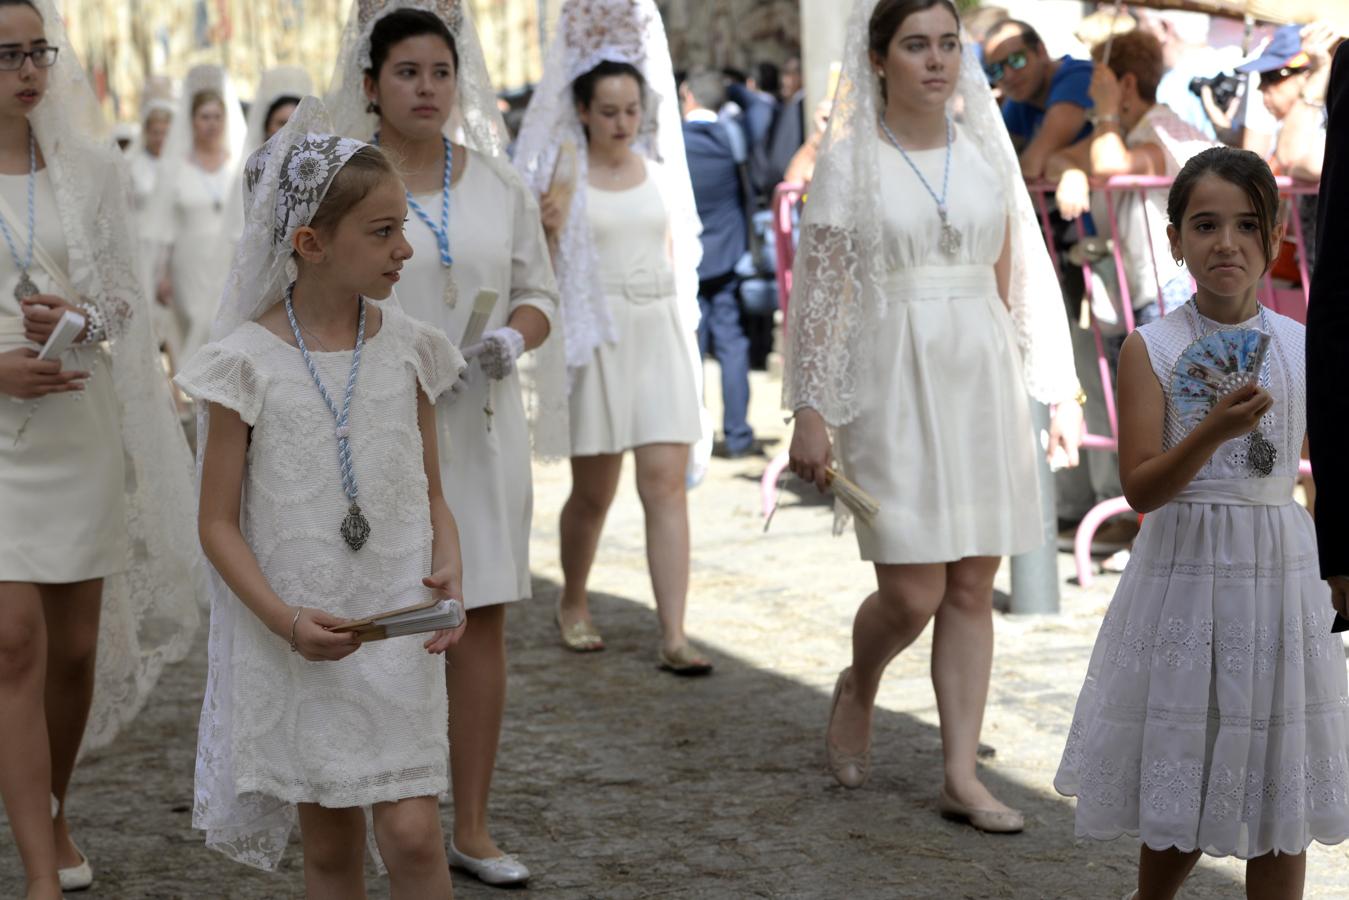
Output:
[[441, 231]]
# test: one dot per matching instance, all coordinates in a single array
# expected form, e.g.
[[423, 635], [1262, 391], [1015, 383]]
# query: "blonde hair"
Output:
[[365, 170]]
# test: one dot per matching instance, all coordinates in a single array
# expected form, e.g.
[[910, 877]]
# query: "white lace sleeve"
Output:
[[220, 374], [825, 315], [435, 360]]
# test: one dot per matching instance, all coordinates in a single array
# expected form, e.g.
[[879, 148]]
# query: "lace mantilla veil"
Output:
[[284, 182], [476, 123], [149, 610], [841, 261], [588, 33], [282, 81], [161, 222]]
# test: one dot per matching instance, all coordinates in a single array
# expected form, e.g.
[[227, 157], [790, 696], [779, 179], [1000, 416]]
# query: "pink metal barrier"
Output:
[[786, 199], [1292, 303]]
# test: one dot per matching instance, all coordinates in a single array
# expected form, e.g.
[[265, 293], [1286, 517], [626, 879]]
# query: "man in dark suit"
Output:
[[717, 188], [1328, 344]]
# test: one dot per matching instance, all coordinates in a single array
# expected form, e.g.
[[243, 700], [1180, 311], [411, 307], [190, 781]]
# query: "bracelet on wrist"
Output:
[[94, 328], [293, 622]]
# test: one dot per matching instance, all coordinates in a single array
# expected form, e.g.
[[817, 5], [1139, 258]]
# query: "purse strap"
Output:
[[44, 259]]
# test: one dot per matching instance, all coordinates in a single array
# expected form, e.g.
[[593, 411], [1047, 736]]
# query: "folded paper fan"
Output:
[[1212, 367]]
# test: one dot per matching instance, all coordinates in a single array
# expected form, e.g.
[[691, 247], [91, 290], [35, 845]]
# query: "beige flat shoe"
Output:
[[849, 769], [993, 821], [579, 637]]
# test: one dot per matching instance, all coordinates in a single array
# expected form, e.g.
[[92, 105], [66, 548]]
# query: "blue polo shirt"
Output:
[[1070, 84]]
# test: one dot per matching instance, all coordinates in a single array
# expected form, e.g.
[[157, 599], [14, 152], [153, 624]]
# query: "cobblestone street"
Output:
[[616, 780]]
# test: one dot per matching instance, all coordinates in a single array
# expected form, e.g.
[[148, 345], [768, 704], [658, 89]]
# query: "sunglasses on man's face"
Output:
[[1016, 61]]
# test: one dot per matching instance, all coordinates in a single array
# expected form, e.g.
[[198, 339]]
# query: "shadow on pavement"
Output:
[[616, 780]]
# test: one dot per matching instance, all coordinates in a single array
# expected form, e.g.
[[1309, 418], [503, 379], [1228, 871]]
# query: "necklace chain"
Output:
[[946, 173], [341, 417], [950, 238], [441, 230], [26, 263]]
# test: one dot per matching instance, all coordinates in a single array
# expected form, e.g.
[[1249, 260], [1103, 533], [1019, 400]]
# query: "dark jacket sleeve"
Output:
[[1328, 336]]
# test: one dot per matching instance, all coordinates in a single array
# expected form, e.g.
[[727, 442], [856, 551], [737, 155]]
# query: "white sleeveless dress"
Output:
[[63, 484], [1214, 712], [942, 438], [276, 729], [641, 389], [497, 243]]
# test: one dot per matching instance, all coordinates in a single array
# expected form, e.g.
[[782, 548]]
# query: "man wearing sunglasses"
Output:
[[1046, 99]]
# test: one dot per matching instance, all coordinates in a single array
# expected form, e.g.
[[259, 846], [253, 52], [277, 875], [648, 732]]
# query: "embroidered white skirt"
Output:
[[1214, 713]]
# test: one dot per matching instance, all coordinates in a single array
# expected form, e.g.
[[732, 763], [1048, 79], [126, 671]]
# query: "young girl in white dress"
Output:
[[1214, 716], [321, 502], [627, 257], [189, 214], [925, 307], [412, 78], [96, 556]]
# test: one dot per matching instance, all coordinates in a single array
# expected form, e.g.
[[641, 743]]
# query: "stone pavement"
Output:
[[618, 781]]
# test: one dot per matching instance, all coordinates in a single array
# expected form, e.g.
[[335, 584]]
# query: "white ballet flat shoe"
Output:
[[77, 878], [499, 870]]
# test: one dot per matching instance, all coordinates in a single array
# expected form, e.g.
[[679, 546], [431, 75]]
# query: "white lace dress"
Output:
[[942, 437], [497, 244], [1214, 714], [641, 389], [275, 729]]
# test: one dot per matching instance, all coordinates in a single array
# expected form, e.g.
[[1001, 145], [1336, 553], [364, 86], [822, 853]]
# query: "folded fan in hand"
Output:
[[430, 615], [1212, 367]]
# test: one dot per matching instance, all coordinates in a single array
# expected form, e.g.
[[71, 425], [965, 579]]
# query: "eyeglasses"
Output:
[[43, 58], [1016, 61]]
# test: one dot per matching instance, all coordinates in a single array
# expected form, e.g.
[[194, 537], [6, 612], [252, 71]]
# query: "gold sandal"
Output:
[[579, 637]]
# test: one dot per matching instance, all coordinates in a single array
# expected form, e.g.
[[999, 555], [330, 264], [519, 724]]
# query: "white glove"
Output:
[[497, 352]]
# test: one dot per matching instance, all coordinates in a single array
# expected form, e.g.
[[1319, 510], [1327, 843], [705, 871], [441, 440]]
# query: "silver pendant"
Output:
[[1260, 455], [355, 528], [951, 237], [451, 290], [25, 288]]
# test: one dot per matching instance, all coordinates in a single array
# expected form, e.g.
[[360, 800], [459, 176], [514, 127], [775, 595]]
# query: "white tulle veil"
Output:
[[275, 83], [590, 32], [284, 183], [476, 123], [841, 261], [150, 609]]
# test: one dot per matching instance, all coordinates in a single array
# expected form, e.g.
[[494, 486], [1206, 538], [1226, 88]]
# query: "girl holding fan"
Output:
[[1213, 718], [320, 503], [412, 78]]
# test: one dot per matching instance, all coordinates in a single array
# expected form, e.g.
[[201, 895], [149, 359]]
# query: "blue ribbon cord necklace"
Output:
[[25, 288], [950, 235], [355, 528], [440, 230]]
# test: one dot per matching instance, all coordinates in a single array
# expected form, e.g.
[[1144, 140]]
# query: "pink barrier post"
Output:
[[785, 198]]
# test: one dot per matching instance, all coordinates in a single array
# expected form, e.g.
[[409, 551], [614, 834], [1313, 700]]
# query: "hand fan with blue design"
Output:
[[1215, 365]]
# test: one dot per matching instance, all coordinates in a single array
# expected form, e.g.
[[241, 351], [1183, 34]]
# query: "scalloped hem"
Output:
[[1136, 834]]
